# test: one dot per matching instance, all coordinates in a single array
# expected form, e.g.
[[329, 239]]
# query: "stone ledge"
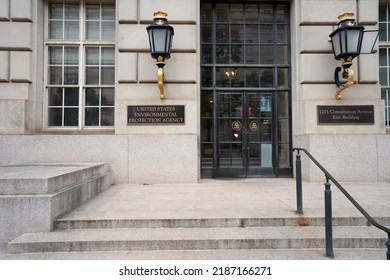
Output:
[[33, 196], [45, 178]]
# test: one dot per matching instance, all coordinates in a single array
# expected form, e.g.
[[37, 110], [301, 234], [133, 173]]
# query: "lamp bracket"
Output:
[[336, 76], [347, 74], [160, 79]]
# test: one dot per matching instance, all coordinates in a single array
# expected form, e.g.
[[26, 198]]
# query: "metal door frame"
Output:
[[212, 89]]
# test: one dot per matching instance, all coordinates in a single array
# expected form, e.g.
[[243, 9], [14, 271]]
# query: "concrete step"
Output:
[[232, 238], [232, 254], [66, 223]]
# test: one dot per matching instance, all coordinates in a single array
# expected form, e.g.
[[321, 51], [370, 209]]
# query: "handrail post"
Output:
[[388, 247], [298, 178], [328, 220]]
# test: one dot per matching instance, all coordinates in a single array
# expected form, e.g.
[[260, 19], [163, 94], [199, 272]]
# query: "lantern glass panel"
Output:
[[353, 40], [151, 40], [369, 40], [336, 44], [343, 42], [169, 40], [160, 36]]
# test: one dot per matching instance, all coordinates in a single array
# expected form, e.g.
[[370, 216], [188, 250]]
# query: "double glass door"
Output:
[[244, 127]]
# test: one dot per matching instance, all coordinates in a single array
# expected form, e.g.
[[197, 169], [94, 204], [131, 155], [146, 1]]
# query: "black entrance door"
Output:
[[244, 145]]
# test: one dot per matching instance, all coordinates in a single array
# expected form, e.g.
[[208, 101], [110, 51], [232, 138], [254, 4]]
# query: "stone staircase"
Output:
[[199, 234], [213, 219]]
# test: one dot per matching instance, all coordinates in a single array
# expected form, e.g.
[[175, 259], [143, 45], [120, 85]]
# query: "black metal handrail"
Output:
[[328, 203]]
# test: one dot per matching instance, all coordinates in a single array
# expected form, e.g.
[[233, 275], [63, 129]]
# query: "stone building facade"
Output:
[[249, 74]]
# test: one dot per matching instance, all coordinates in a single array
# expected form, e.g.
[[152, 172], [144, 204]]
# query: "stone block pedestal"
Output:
[[33, 195]]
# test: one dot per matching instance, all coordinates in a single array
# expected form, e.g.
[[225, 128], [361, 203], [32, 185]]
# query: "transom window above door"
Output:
[[245, 42]]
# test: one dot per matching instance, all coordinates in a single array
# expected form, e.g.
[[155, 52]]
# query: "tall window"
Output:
[[384, 56], [80, 64]]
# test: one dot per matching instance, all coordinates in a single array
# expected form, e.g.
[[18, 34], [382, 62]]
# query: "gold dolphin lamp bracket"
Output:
[[347, 74]]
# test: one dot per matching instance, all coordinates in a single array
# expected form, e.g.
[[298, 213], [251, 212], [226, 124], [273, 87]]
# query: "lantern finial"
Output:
[[160, 14], [346, 19]]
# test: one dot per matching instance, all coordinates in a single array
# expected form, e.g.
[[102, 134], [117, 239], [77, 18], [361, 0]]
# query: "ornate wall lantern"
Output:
[[349, 40], [160, 41]]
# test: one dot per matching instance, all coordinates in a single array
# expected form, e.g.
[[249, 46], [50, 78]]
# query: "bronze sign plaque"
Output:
[[164, 114], [345, 114]]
